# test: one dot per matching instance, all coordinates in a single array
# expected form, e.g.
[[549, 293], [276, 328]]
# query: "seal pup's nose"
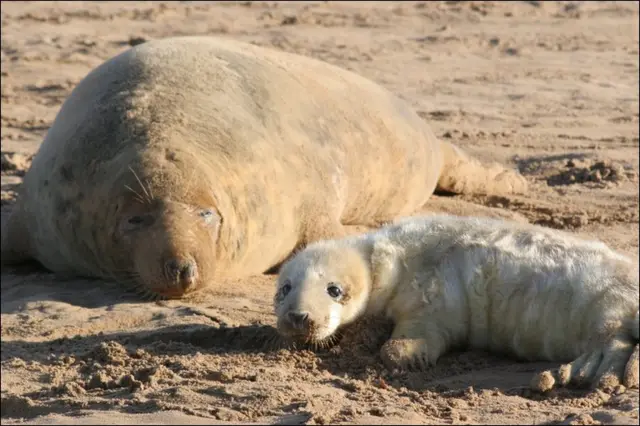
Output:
[[299, 319], [185, 271]]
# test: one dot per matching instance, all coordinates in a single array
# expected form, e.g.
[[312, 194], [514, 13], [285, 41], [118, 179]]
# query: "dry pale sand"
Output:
[[550, 88]]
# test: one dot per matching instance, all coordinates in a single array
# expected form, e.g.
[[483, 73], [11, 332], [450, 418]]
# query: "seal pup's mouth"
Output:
[[301, 329], [305, 340]]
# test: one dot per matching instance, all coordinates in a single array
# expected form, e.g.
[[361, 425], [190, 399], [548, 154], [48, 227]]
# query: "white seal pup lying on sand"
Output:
[[448, 281]]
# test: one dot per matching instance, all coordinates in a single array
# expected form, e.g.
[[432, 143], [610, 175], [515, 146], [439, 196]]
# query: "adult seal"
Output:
[[453, 282], [186, 159]]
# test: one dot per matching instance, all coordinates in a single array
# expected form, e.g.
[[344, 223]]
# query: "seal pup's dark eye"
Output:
[[333, 290], [286, 288]]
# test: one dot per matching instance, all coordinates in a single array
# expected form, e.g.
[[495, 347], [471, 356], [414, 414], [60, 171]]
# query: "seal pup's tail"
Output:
[[463, 174]]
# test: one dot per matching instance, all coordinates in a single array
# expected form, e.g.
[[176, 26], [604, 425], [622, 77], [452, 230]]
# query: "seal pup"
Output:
[[187, 159], [453, 282]]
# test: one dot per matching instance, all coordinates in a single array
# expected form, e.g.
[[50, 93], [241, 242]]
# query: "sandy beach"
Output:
[[548, 88]]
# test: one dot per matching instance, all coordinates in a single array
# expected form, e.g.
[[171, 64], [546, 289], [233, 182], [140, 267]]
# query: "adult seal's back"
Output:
[[186, 159]]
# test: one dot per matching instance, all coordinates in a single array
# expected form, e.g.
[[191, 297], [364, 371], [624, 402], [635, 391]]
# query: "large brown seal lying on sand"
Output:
[[447, 282], [190, 158]]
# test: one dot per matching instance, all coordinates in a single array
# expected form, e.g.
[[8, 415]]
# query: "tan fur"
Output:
[[283, 149], [447, 282]]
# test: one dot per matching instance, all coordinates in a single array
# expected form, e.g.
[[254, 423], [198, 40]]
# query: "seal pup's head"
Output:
[[321, 288], [168, 237]]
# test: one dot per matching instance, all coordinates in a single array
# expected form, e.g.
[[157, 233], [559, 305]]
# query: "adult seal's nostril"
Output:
[[183, 270], [299, 319], [188, 270]]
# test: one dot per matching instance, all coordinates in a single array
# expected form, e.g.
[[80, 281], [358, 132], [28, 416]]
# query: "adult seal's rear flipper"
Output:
[[463, 174]]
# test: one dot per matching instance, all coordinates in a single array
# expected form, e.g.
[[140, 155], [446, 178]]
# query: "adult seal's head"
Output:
[[158, 226], [164, 242], [319, 290]]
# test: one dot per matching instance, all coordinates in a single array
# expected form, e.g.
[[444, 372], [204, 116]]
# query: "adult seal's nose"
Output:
[[185, 271], [299, 319]]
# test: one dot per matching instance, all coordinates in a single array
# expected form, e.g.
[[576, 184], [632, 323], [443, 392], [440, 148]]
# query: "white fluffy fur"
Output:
[[448, 281]]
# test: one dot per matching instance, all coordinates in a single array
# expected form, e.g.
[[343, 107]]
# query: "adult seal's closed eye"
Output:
[[186, 159], [450, 282]]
